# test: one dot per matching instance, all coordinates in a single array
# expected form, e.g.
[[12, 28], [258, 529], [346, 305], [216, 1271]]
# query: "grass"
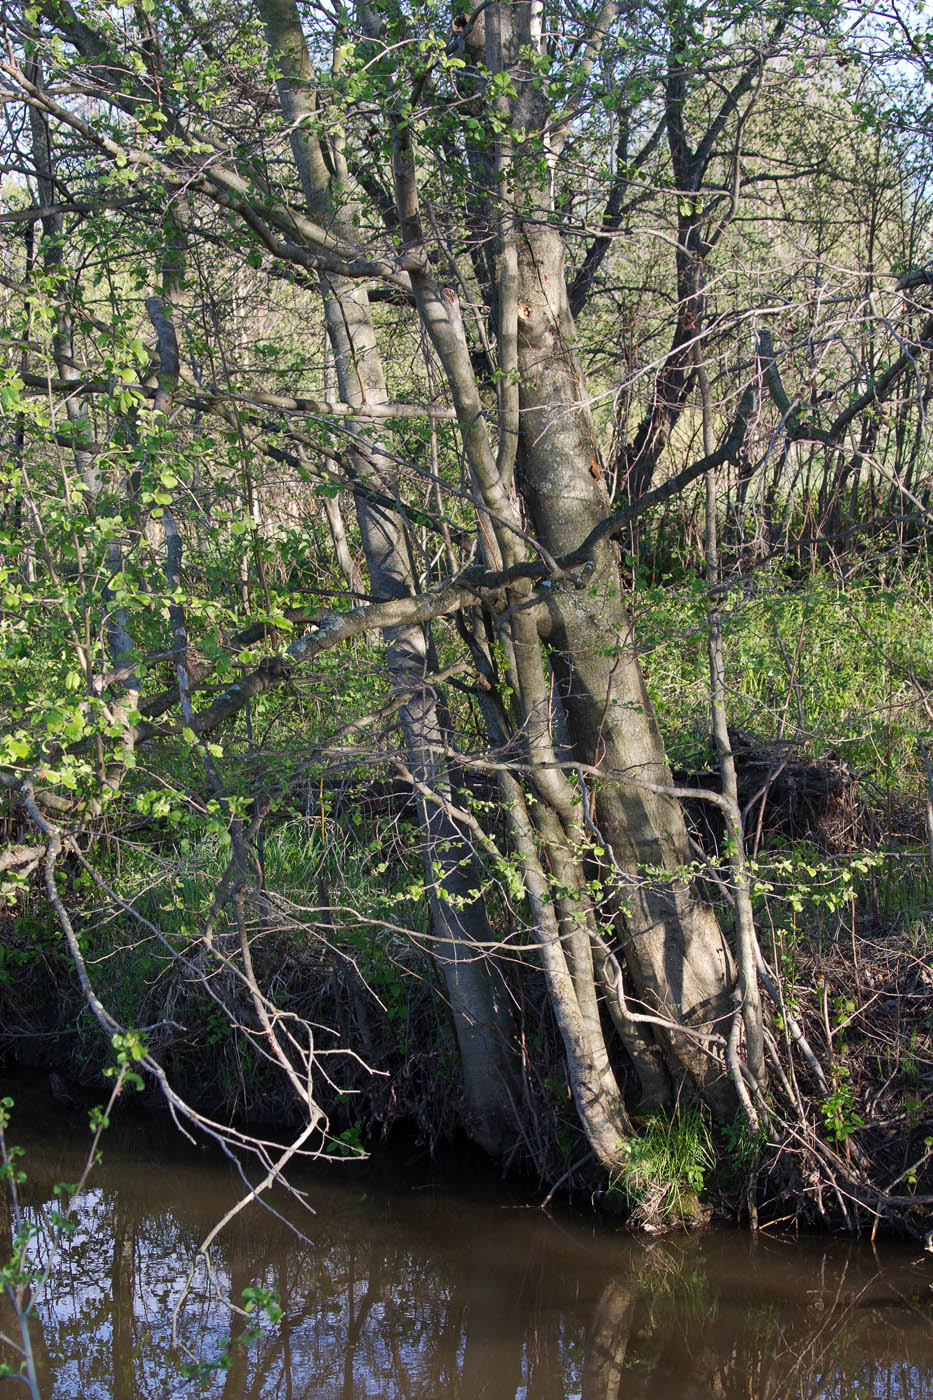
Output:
[[828, 666], [665, 1168]]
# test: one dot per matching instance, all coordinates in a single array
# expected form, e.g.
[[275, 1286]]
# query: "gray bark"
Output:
[[475, 988], [562, 937], [746, 936], [673, 950]]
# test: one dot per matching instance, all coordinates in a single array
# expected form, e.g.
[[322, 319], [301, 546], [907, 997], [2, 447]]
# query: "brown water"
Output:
[[402, 1289]]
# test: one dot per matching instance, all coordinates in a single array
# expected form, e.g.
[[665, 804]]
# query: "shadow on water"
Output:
[[399, 1289]]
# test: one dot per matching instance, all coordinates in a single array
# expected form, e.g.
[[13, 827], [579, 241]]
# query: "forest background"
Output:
[[466, 599]]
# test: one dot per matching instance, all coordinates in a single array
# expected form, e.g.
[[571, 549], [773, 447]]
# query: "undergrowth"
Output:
[[338, 929], [841, 670]]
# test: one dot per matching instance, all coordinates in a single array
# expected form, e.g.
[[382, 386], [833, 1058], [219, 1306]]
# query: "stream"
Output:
[[401, 1280]]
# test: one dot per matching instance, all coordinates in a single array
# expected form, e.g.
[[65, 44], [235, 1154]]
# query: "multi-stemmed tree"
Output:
[[320, 260]]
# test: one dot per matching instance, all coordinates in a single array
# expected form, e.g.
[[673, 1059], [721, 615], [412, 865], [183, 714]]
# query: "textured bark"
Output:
[[552, 832], [475, 988], [673, 950], [746, 937], [592, 1082]]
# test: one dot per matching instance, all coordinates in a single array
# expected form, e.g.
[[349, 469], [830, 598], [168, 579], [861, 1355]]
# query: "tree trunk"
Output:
[[463, 937], [672, 947]]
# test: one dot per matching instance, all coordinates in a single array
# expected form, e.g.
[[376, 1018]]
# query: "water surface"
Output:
[[400, 1288]]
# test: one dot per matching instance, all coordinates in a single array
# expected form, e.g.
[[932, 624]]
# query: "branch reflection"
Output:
[[408, 1293]]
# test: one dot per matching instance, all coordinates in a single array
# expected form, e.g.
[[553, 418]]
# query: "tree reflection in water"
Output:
[[409, 1293]]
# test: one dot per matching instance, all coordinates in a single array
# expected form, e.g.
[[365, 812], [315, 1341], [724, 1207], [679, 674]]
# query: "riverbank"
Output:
[[857, 990]]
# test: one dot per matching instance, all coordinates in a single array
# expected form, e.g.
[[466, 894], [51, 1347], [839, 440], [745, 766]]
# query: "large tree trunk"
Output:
[[673, 950], [544, 839]]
